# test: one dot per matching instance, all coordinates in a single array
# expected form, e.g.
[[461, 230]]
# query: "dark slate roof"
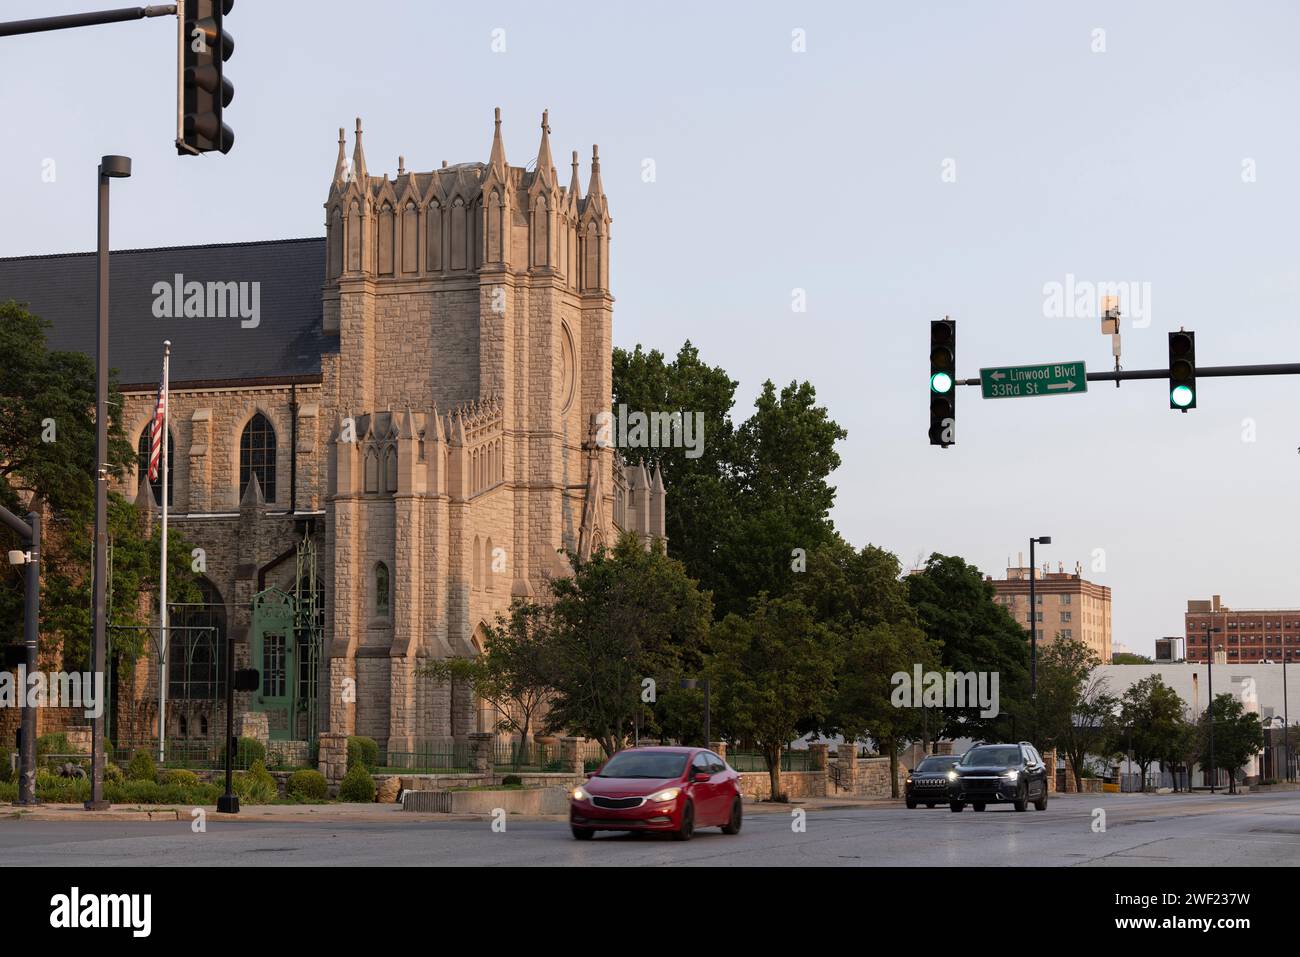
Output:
[[287, 342]]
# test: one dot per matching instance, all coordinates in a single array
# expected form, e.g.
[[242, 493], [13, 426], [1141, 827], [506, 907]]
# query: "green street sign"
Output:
[[1047, 378]]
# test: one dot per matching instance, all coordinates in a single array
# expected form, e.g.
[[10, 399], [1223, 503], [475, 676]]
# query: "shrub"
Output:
[[179, 777], [142, 767], [113, 774], [248, 751], [363, 751], [6, 772], [8, 792], [54, 743], [308, 785], [358, 786], [56, 790], [510, 779], [256, 786]]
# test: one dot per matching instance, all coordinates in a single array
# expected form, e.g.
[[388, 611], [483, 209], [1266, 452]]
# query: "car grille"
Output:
[[980, 784], [931, 783], [617, 804]]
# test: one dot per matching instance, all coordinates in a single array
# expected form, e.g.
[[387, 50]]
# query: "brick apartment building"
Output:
[[1245, 635], [1068, 606]]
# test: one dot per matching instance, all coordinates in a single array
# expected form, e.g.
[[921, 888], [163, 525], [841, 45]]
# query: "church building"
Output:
[[378, 440]]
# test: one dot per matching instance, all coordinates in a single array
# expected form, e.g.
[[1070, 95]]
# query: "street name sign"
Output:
[[1046, 378]]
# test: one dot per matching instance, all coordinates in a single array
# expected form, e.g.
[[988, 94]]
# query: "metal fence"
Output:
[[791, 760], [536, 757], [434, 759]]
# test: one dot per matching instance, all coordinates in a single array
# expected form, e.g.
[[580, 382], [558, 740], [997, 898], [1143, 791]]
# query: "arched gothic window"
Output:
[[257, 456]]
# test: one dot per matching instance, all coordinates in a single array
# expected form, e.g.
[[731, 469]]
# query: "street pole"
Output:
[[1286, 720], [31, 631], [1214, 773], [1033, 629], [110, 167], [228, 803]]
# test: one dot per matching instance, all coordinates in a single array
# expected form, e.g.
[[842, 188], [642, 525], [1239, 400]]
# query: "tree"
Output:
[[956, 609], [737, 513], [1128, 658], [511, 674], [1073, 705], [627, 623], [47, 455], [770, 670], [1149, 724], [860, 596], [1238, 736]]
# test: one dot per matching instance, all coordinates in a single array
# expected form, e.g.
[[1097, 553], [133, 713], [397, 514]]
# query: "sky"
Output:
[[884, 164]]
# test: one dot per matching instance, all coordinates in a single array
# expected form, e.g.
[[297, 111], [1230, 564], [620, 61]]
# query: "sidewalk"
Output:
[[353, 813]]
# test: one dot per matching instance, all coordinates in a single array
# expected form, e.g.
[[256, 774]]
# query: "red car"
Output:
[[658, 789]]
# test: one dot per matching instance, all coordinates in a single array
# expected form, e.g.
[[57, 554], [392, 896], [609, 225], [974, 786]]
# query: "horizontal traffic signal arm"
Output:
[[43, 24], [1272, 368]]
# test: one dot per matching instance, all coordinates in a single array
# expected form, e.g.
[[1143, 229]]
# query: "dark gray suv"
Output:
[[987, 774]]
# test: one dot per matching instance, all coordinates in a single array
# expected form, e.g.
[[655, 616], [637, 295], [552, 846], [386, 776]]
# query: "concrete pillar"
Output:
[[333, 758], [719, 748], [482, 751], [848, 766], [1049, 758], [818, 754], [570, 756]]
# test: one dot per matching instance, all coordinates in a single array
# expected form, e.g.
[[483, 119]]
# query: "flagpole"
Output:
[[162, 590]]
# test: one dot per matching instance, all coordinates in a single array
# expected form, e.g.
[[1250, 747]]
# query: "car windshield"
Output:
[[992, 757], [644, 764], [936, 764]]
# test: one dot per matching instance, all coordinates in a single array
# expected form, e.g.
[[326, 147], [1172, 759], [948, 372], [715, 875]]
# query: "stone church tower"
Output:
[[472, 311]]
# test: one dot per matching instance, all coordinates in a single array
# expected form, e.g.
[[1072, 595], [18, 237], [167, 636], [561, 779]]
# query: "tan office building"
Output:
[[1068, 606]]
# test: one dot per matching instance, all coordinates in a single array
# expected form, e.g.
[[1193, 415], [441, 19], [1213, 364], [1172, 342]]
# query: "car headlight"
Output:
[[908, 781], [1010, 775], [667, 794], [952, 775], [580, 794]]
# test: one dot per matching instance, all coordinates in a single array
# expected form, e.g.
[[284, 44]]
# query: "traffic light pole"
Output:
[[29, 531], [44, 24], [1271, 368]]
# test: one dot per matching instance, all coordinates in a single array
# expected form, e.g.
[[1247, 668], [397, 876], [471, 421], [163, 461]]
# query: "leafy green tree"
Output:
[[511, 674], [1128, 658], [1238, 736], [625, 616], [737, 513], [958, 614], [1149, 723], [1073, 704], [47, 455], [769, 671], [861, 597]]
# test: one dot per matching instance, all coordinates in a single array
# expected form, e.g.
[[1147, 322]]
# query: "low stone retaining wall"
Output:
[[538, 800], [757, 785]]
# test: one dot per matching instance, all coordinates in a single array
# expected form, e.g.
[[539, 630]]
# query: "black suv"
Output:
[[928, 782], [992, 773]]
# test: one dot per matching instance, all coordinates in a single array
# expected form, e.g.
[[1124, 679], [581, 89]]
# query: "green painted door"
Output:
[[274, 654]]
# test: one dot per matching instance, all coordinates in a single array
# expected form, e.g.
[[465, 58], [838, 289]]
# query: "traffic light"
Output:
[[1182, 370], [943, 381], [205, 90]]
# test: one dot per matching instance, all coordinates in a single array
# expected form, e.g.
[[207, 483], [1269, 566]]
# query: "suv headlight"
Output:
[[667, 794], [580, 794], [1010, 775], [952, 775]]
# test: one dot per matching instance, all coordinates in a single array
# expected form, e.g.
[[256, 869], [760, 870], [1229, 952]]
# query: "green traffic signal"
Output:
[[941, 382], [1182, 396]]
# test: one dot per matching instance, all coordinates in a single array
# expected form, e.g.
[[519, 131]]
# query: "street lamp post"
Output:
[[1286, 721], [1214, 771], [1033, 628], [110, 167]]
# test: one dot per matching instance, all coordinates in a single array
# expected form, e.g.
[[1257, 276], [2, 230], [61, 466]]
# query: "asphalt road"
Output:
[[1249, 830]]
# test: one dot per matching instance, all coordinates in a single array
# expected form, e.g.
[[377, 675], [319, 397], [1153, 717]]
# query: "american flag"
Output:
[[156, 432]]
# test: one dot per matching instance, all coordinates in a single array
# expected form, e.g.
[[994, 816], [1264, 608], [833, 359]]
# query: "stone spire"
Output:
[[596, 191], [575, 186], [341, 165], [545, 165], [359, 159], [497, 161]]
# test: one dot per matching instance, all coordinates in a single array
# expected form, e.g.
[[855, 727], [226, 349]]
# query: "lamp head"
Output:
[[117, 167]]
